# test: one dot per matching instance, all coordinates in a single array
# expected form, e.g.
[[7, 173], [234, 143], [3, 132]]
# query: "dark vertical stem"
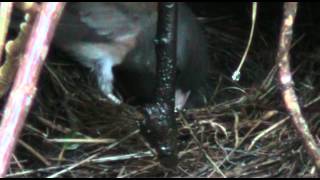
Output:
[[166, 53], [159, 127]]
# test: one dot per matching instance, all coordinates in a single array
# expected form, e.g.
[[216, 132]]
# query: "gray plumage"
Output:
[[104, 35]]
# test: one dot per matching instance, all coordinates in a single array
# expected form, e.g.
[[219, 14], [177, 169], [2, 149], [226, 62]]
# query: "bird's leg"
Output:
[[181, 99], [105, 81]]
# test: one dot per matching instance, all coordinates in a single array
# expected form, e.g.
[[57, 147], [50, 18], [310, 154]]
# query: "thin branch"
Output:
[[35, 153], [236, 74], [287, 85], [57, 174], [267, 131], [24, 88]]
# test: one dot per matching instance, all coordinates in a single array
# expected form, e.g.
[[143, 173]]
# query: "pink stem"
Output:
[[24, 88]]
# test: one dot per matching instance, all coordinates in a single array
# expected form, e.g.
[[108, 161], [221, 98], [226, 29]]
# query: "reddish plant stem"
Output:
[[286, 83], [24, 88]]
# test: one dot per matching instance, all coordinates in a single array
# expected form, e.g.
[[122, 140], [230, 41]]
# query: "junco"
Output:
[[116, 40]]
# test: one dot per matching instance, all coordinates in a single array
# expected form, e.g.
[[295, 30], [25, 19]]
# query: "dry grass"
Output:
[[243, 131]]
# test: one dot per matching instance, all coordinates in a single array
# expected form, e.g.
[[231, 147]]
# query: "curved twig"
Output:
[[286, 83]]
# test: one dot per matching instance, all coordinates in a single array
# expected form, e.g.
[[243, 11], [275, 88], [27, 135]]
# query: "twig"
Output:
[[236, 129], [35, 153], [54, 126], [83, 140], [236, 74], [144, 169], [213, 164], [103, 160], [123, 157], [17, 162], [122, 139], [266, 131], [286, 83], [97, 160], [24, 89], [27, 172], [265, 117], [55, 175]]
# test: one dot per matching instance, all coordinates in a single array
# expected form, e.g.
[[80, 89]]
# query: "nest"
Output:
[[243, 131]]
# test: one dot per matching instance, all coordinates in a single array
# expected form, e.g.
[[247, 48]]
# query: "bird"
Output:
[[116, 41]]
